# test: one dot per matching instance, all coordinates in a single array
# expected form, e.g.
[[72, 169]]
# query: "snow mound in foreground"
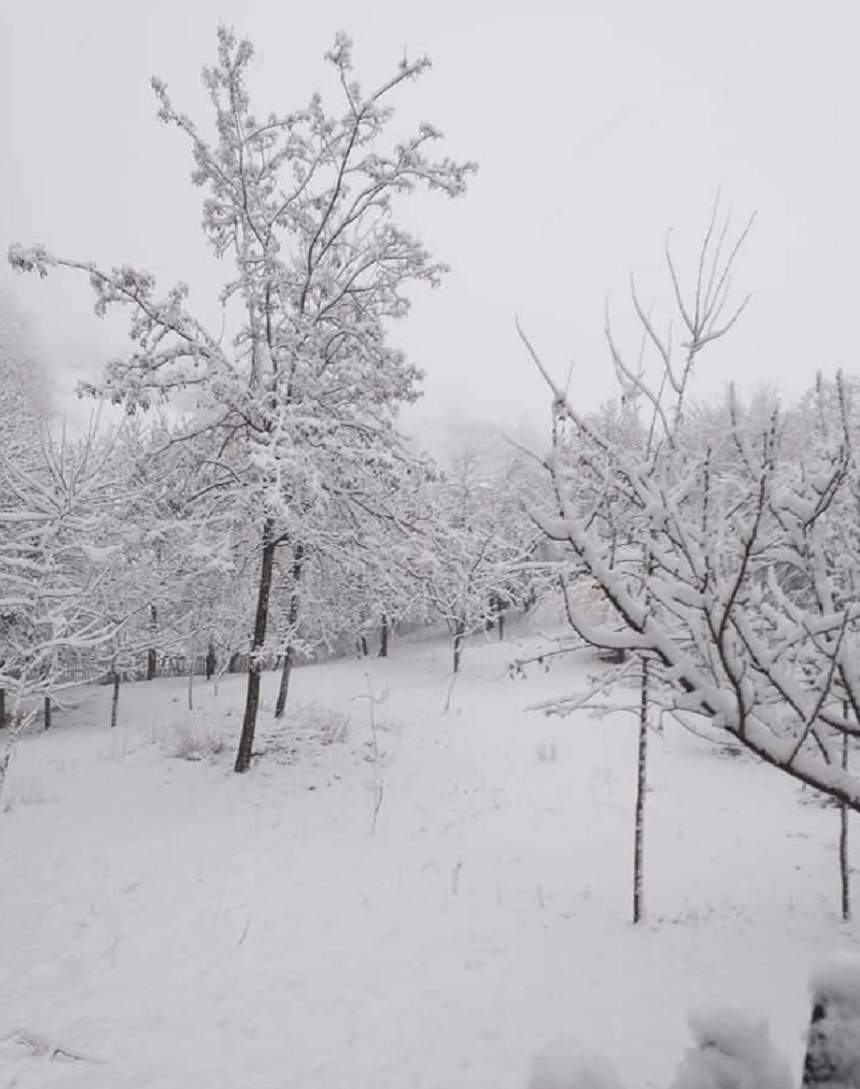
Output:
[[732, 1051], [562, 1065]]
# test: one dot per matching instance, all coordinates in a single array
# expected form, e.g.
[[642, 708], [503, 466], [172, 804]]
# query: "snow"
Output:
[[170, 925], [565, 1065], [733, 1052], [837, 978]]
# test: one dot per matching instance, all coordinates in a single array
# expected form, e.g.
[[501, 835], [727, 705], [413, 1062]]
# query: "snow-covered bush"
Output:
[[732, 1051], [196, 741], [328, 725]]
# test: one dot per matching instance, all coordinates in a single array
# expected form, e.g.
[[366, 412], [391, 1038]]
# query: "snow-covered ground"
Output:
[[181, 927]]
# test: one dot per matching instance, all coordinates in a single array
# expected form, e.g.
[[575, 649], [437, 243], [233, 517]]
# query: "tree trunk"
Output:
[[383, 637], [459, 637], [114, 704], [284, 686], [47, 712], [261, 621], [2, 708], [211, 661], [191, 676], [151, 654], [233, 664], [500, 620], [844, 864], [292, 618], [641, 788]]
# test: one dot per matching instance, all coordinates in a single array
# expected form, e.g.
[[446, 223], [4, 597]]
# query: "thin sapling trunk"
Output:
[[191, 676], [844, 863], [641, 789]]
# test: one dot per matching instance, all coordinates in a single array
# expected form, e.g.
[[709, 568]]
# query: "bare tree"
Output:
[[747, 609]]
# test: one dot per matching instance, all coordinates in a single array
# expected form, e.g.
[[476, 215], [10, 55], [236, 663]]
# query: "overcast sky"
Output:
[[597, 126]]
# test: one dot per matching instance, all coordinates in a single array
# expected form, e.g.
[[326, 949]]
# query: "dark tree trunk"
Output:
[[500, 620], [641, 789], [284, 685], [383, 637], [255, 665], [292, 618], [459, 637], [2, 708], [211, 661], [47, 712], [151, 654], [233, 665], [362, 646], [114, 703]]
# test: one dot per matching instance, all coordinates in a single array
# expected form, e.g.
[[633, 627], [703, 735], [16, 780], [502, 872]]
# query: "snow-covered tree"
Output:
[[739, 580], [58, 551], [303, 205], [477, 562], [191, 584]]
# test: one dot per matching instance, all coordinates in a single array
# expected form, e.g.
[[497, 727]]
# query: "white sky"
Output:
[[597, 126]]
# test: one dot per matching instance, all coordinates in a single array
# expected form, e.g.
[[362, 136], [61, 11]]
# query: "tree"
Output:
[[746, 606], [303, 204], [58, 549], [482, 544]]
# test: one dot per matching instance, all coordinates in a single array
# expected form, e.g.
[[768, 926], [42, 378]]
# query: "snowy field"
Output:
[[181, 927]]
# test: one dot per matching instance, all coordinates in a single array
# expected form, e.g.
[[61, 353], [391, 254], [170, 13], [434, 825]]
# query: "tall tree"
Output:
[[303, 204]]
